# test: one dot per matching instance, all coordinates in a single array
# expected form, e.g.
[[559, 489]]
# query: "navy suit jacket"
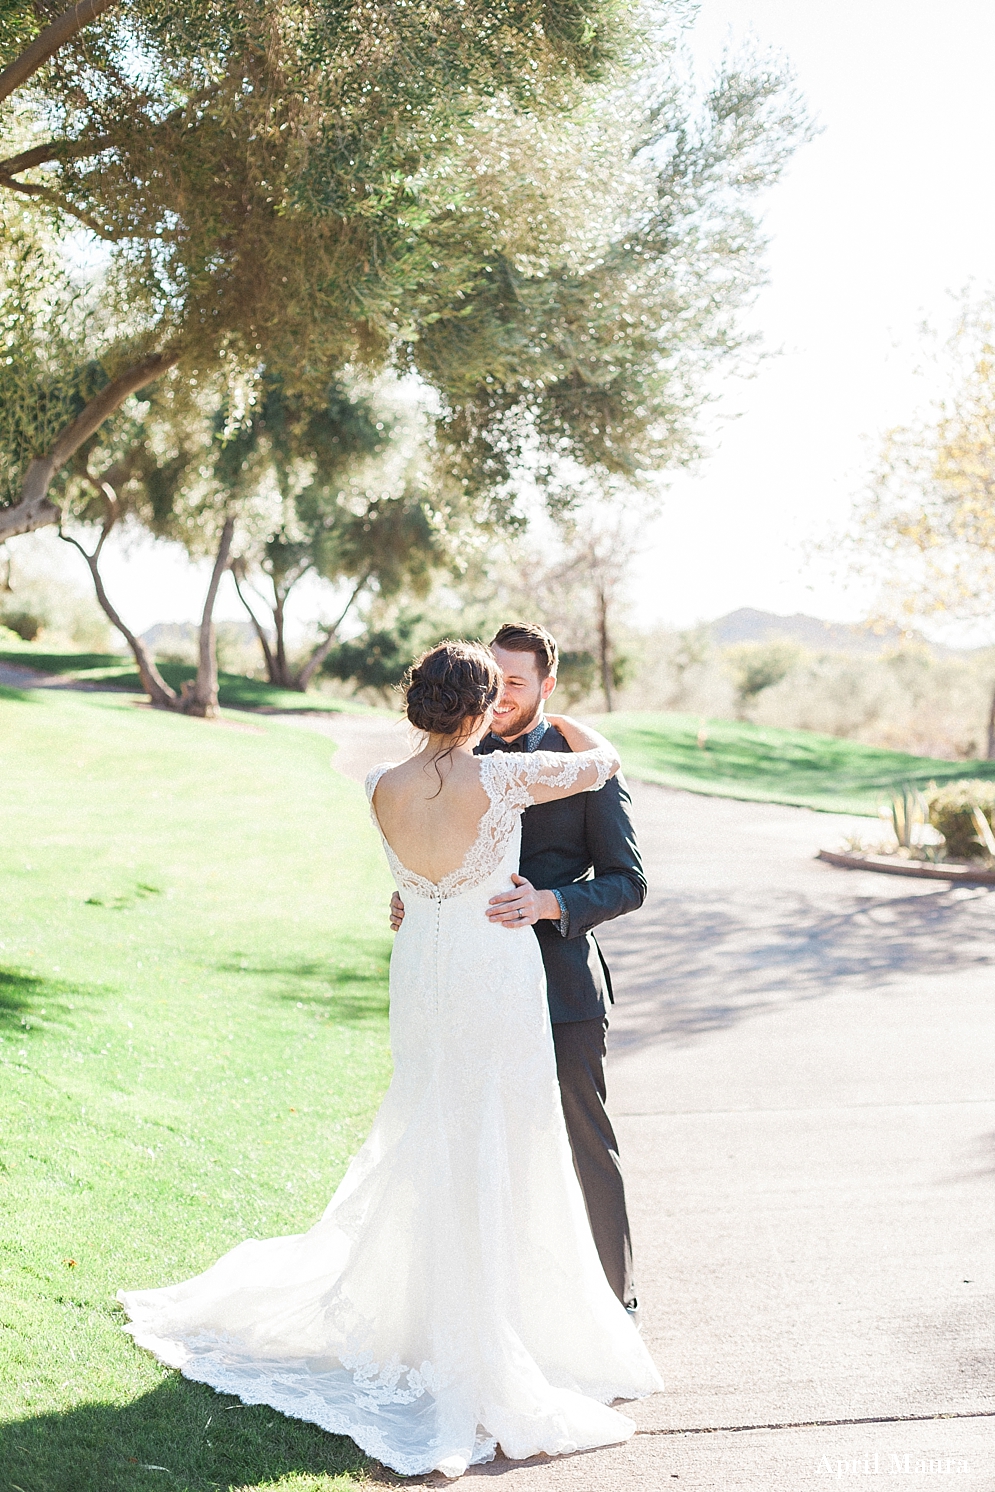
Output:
[[585, 848]]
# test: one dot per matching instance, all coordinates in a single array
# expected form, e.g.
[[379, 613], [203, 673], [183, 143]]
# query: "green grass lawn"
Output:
[[772, 766], [193, 1041], [117, 671]]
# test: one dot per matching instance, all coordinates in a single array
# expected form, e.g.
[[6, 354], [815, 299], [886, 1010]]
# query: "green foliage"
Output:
[[622, 668], [18, 26], [305, 449], [301, 474], [482, 194], [756, 666], [951, 809], [376, 660], [738, 760], [265, 174], [594, 339], [576, 675], [379, 658], [193, 1032], [39, 354]]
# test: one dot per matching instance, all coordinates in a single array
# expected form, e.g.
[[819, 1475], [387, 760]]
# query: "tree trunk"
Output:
[[991, 729], [317, 658], [321, 652], [201, 696], [34, 509], [260, 631], [160, 694], [283, 679], [605, 651]]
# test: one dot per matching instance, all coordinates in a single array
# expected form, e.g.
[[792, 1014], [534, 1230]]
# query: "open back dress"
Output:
[[450, 1299]]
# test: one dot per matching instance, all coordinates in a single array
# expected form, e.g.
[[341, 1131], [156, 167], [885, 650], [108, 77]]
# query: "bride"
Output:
[[451, 1298]]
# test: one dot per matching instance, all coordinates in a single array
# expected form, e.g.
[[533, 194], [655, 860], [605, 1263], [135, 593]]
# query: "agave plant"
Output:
[[910, 821], [909, 814], [984, 836]]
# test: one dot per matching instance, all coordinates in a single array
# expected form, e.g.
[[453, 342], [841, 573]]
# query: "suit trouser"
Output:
[[580, 1066]]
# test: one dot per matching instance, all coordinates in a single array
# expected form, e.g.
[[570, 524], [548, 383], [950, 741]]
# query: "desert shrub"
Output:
[[756, 666], [26, 622], [377, 659], [951, 810], [931, 704], [577, 676]]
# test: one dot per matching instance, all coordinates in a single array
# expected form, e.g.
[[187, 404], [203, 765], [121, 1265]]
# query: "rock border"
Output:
[[891, 865]]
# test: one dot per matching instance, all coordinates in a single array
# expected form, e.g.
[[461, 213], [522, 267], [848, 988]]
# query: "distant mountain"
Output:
[[167, 636], [748, 625]]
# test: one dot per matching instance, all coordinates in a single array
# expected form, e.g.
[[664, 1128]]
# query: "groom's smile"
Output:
[[522, 696]]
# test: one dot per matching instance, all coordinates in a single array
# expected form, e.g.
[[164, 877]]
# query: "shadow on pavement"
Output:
[[690, 964]]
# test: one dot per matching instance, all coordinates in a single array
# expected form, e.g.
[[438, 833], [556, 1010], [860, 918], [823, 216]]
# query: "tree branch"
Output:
[[45, 194], [47, 42], [257, 624], [155, 686], [324, 647], [34, 509], [53, 150]]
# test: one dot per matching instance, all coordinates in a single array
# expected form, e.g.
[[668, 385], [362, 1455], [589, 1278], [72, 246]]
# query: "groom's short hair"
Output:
[[529, 637]]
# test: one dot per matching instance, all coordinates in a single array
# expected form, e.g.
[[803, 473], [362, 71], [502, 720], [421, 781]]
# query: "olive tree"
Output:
[[924, 532], [516, 203], [263, 176], [264, 179], [355, 510]]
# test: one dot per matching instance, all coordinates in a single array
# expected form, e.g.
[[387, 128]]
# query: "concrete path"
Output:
[[16, 677], [803, 1077]]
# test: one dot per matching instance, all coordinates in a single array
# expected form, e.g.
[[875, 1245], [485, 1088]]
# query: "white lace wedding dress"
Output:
[[451, 1298]]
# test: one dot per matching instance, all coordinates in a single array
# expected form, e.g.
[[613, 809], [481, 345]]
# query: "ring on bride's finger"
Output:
[[521, 913]]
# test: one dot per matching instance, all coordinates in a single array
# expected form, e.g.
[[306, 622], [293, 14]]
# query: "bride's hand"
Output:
[[581, 737]]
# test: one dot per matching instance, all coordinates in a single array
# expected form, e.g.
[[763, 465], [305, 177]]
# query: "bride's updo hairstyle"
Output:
[[450, 687]]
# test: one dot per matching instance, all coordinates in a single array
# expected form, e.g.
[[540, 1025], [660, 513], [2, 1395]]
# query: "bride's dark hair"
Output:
[[450, 686]]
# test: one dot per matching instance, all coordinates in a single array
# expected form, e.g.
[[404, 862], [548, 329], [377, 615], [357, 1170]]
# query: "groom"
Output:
[[580, 866]]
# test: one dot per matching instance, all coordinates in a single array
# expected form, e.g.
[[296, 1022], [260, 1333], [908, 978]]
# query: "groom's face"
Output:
[[522, 695]]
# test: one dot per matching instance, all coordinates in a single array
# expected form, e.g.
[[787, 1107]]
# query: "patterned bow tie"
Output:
[[528, 742]]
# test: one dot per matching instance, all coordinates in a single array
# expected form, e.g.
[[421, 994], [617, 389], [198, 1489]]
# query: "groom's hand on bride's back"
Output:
[[524, 906], [519, 908]]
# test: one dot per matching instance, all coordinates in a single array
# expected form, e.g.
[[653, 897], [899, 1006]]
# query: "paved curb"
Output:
[[892, 866]]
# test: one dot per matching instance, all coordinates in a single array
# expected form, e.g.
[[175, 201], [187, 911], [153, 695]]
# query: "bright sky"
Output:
[[878, 222], [881, 218]]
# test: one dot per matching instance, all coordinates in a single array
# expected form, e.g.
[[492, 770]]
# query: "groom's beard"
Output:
[[513, 725]]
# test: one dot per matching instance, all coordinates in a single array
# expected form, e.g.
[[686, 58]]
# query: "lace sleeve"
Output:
[[372, 778], [512, 777]]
